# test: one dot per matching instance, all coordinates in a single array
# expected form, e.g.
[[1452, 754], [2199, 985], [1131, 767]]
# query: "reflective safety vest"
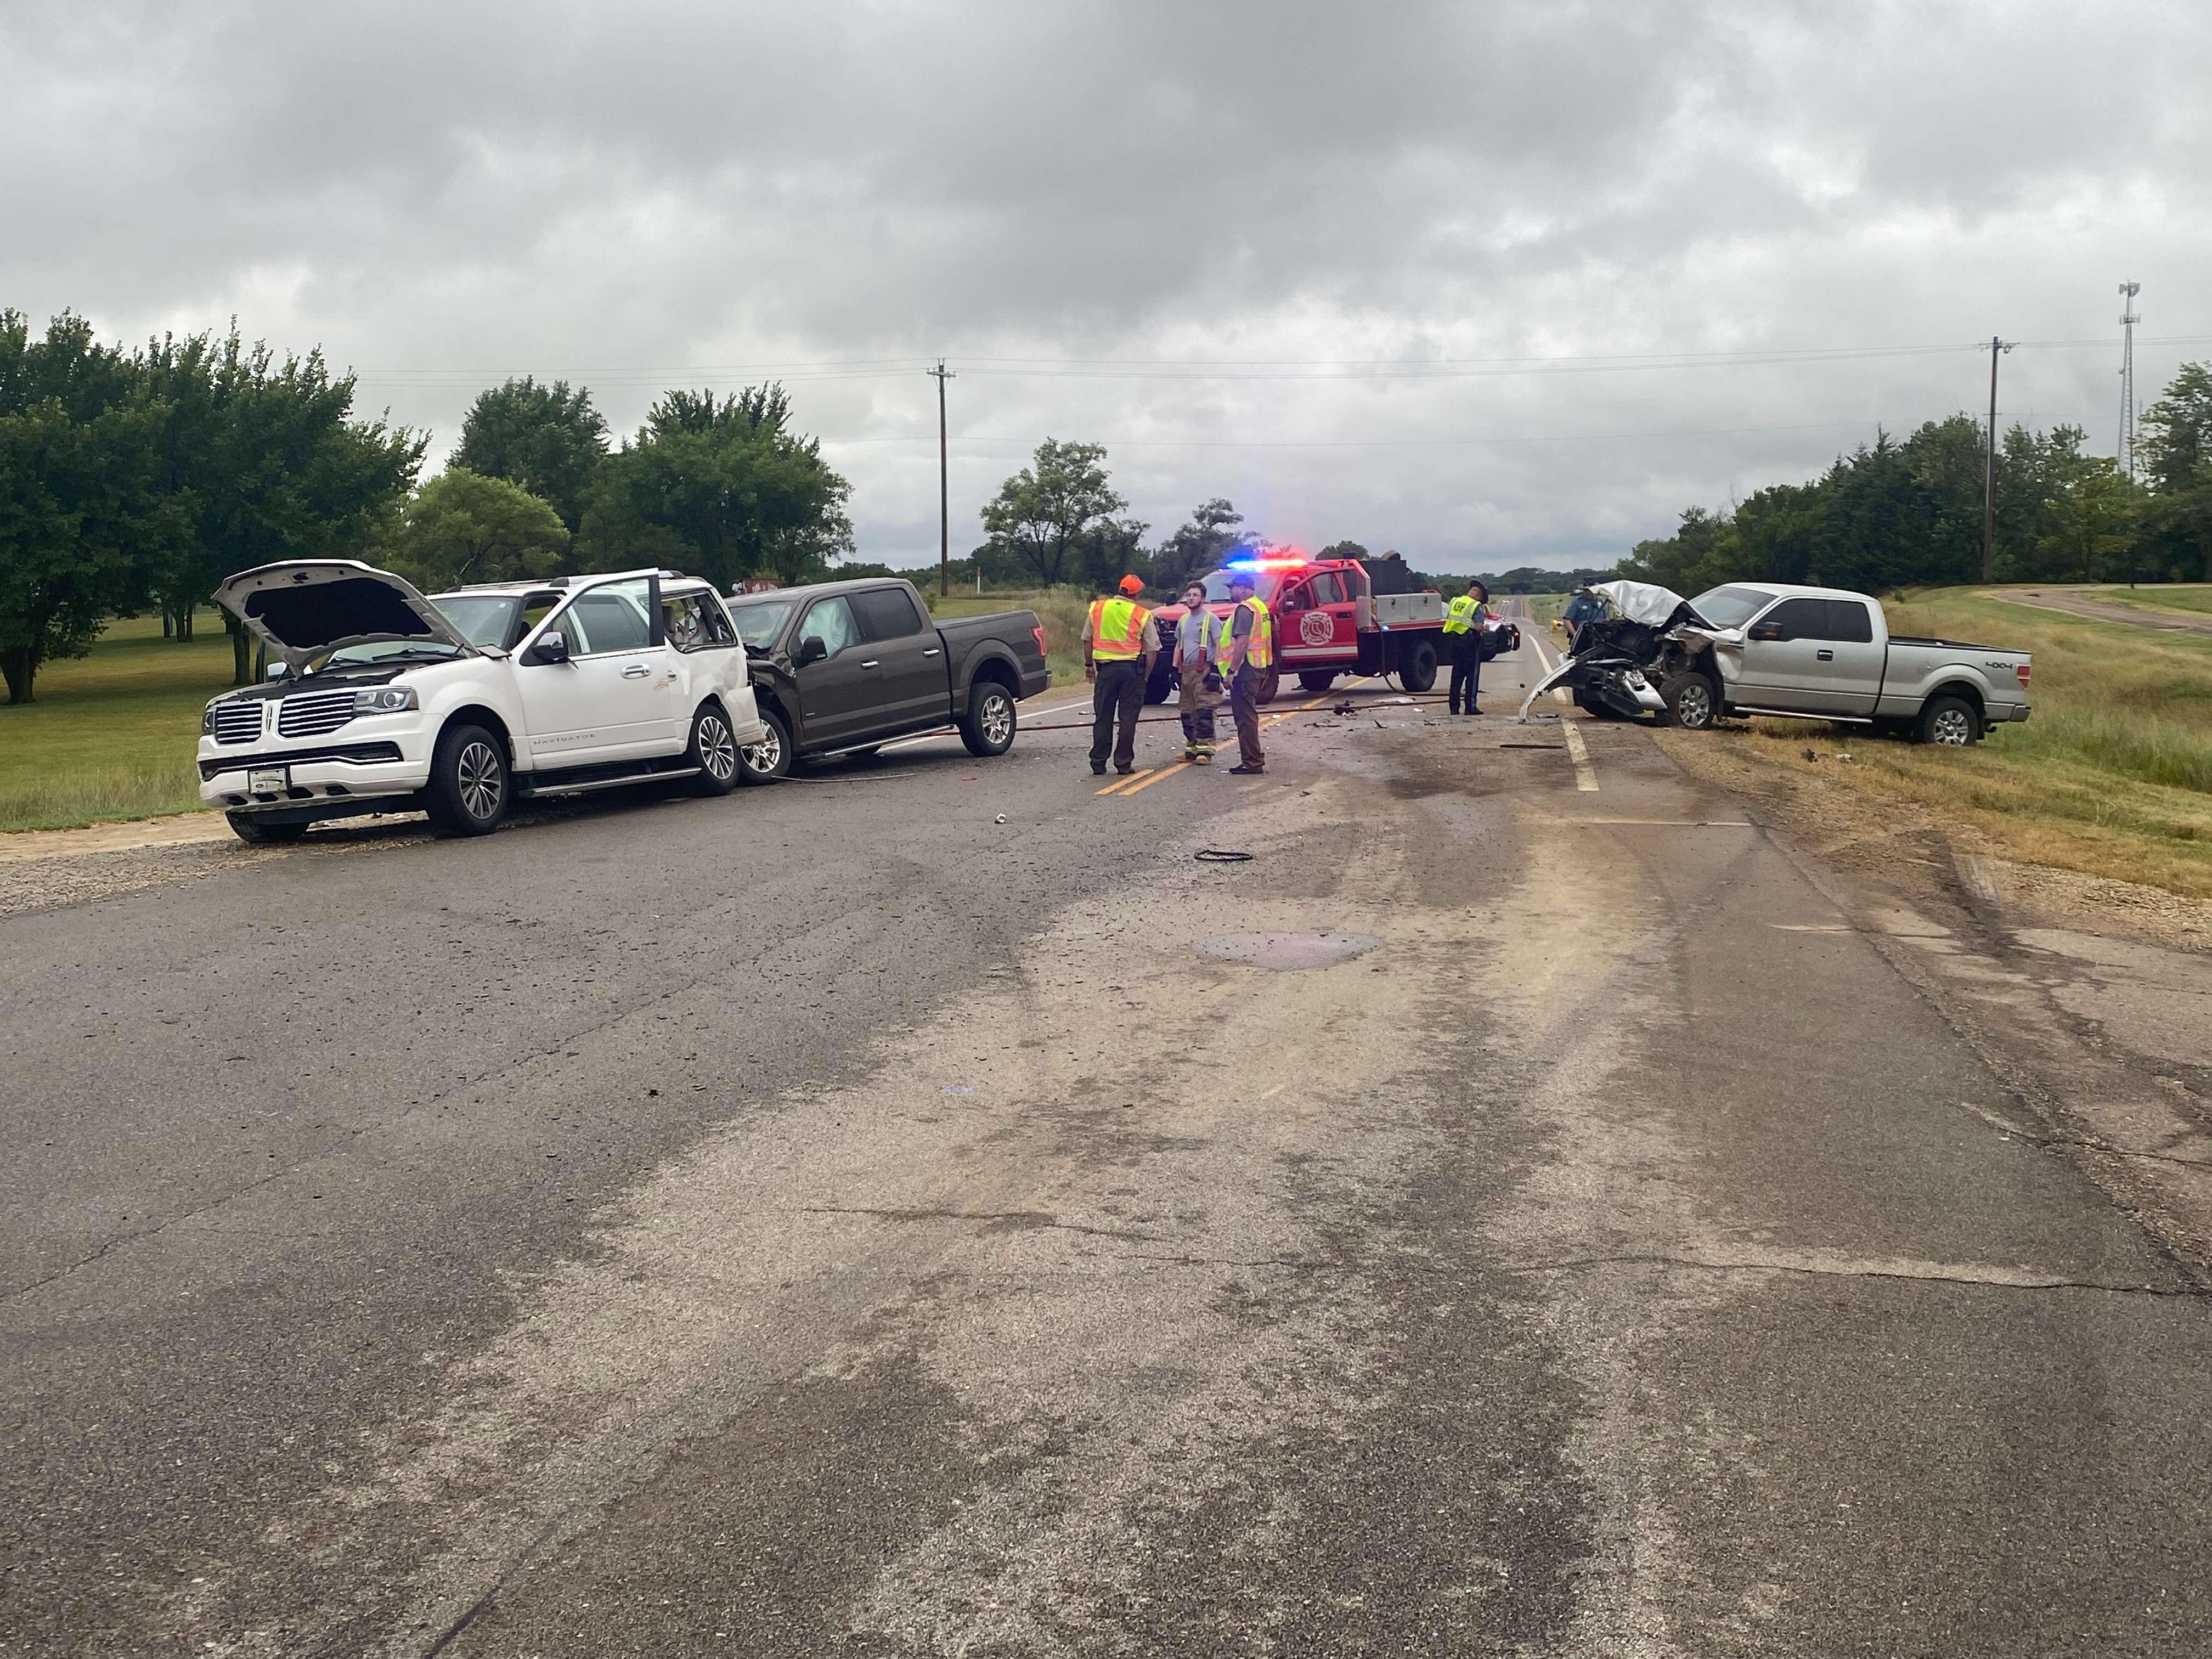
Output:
[[1461, 614], [1117, 630], [1260, 644]]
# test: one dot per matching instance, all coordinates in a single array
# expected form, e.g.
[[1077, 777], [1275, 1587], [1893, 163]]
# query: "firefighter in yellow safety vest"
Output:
[[1119, 644], [1248, 650]]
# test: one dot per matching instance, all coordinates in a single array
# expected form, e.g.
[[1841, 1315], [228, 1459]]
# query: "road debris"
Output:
[[1215, 856]]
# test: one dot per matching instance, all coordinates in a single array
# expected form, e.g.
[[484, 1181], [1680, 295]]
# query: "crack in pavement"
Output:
[[1992, 1281], [1026, 1218]]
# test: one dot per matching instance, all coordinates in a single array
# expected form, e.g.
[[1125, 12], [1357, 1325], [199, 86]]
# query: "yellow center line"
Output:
[[1585, 775], [1128, 783], [1160, 776]]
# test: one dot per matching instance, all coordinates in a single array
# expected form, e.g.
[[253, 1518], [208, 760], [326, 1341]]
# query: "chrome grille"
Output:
[[238, 722], [313, 713]]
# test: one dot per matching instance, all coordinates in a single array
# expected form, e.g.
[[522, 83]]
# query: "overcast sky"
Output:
[[1215, 237]]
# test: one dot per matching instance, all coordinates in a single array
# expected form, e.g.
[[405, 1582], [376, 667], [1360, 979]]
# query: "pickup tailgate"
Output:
[[1011, 639], [1918, 668]]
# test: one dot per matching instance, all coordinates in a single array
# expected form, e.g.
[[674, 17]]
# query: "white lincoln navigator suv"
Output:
[[385, 700]]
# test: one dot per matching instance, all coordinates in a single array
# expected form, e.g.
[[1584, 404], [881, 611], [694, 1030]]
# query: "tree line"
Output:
[[133, 481], [1908, 512]]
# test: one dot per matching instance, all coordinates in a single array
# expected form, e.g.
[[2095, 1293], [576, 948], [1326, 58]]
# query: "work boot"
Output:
[[1125, 771], [1247, 771], [1098, 768], [1203, 757]]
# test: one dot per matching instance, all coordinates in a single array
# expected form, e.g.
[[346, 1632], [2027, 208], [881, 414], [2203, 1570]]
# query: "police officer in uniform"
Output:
[[1118, 649], [1463, 624], [1248, 649]]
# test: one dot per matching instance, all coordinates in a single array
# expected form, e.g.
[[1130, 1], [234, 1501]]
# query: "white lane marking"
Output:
[[1550, 662], [1585, 775]]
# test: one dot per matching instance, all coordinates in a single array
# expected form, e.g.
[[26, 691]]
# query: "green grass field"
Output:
[[112, 735], [2111, 775]]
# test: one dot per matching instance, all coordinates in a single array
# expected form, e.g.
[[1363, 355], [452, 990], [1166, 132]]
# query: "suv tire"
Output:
[[1693, 701], [770, 759], [254, 832], [987, 728], [470, 787], [1951, 721], [713, 751]]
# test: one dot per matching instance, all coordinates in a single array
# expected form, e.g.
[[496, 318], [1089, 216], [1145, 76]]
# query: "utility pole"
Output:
[[941, 375], [1990, 469], [2128, 321]]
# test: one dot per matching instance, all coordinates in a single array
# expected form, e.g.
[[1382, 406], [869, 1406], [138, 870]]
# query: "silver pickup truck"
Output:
[[1770, 648]]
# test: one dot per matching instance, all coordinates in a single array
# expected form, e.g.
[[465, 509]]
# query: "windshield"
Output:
[[761, 621], [484, 617], [1730, 607], [361, 650], [1217, 585]]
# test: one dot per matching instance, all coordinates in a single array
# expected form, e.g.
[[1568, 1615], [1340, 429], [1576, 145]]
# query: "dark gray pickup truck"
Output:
[[843, 667]]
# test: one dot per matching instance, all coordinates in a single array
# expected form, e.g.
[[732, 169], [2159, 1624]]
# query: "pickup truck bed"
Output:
[[841, 667]]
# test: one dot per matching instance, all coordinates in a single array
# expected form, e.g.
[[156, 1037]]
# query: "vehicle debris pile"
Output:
[[1638, 659]]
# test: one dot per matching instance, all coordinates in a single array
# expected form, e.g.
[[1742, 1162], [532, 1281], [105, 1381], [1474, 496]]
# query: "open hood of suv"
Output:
[[305, 606]]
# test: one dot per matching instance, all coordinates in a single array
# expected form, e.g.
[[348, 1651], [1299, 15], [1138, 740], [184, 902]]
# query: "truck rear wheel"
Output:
[[1317, 682], [1950, 721], [987, 729], [1270, 683], [1417, 665]]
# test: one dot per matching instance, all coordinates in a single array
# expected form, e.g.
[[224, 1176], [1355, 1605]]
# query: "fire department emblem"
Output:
[[1316, 628]]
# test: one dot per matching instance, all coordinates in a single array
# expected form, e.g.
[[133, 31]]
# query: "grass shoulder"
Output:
[[112, 735], [2111, 777]]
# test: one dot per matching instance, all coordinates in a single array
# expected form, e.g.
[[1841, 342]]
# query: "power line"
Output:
[[1372, 443], [1270, 368]]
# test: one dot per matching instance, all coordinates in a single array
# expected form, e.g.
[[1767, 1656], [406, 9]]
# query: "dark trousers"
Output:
[[1244, 706], [1467, 674], [1118, 695]]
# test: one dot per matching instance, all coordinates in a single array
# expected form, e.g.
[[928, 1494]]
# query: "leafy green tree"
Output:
[[1043, 514], [722, 487], [293, 476], [547, 438], [2088, 531], [462, 527], [2176, 446], [75, 463], [1202, 543]]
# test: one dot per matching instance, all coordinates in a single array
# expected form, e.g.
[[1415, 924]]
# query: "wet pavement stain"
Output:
[[1288, 953]]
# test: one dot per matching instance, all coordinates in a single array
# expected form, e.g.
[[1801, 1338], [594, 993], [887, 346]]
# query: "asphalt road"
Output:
[[2077, 603], [831, 1220]]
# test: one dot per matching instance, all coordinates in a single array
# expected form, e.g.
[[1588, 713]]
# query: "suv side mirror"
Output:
[[553, 648], [812, 649], [275, 670]]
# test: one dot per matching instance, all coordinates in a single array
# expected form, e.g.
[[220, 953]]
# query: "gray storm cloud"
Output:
[[1075, 204]]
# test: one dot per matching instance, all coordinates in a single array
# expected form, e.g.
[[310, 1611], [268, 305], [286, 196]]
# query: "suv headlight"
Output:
[[385, 700]]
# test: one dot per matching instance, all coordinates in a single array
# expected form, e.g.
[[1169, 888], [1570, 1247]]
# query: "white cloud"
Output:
[[438, 194]]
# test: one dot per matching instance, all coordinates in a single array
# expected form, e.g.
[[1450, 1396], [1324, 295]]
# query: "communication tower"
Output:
[[2128, 321]]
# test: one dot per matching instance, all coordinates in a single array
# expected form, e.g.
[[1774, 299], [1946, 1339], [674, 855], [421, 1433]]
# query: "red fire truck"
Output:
[[1329, 620]]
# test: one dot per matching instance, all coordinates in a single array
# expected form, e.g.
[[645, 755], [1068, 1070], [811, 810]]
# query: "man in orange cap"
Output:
[[1118, 649]]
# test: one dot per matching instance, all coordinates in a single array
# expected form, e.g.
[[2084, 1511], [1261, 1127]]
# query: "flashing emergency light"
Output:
[[1265, 564]]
